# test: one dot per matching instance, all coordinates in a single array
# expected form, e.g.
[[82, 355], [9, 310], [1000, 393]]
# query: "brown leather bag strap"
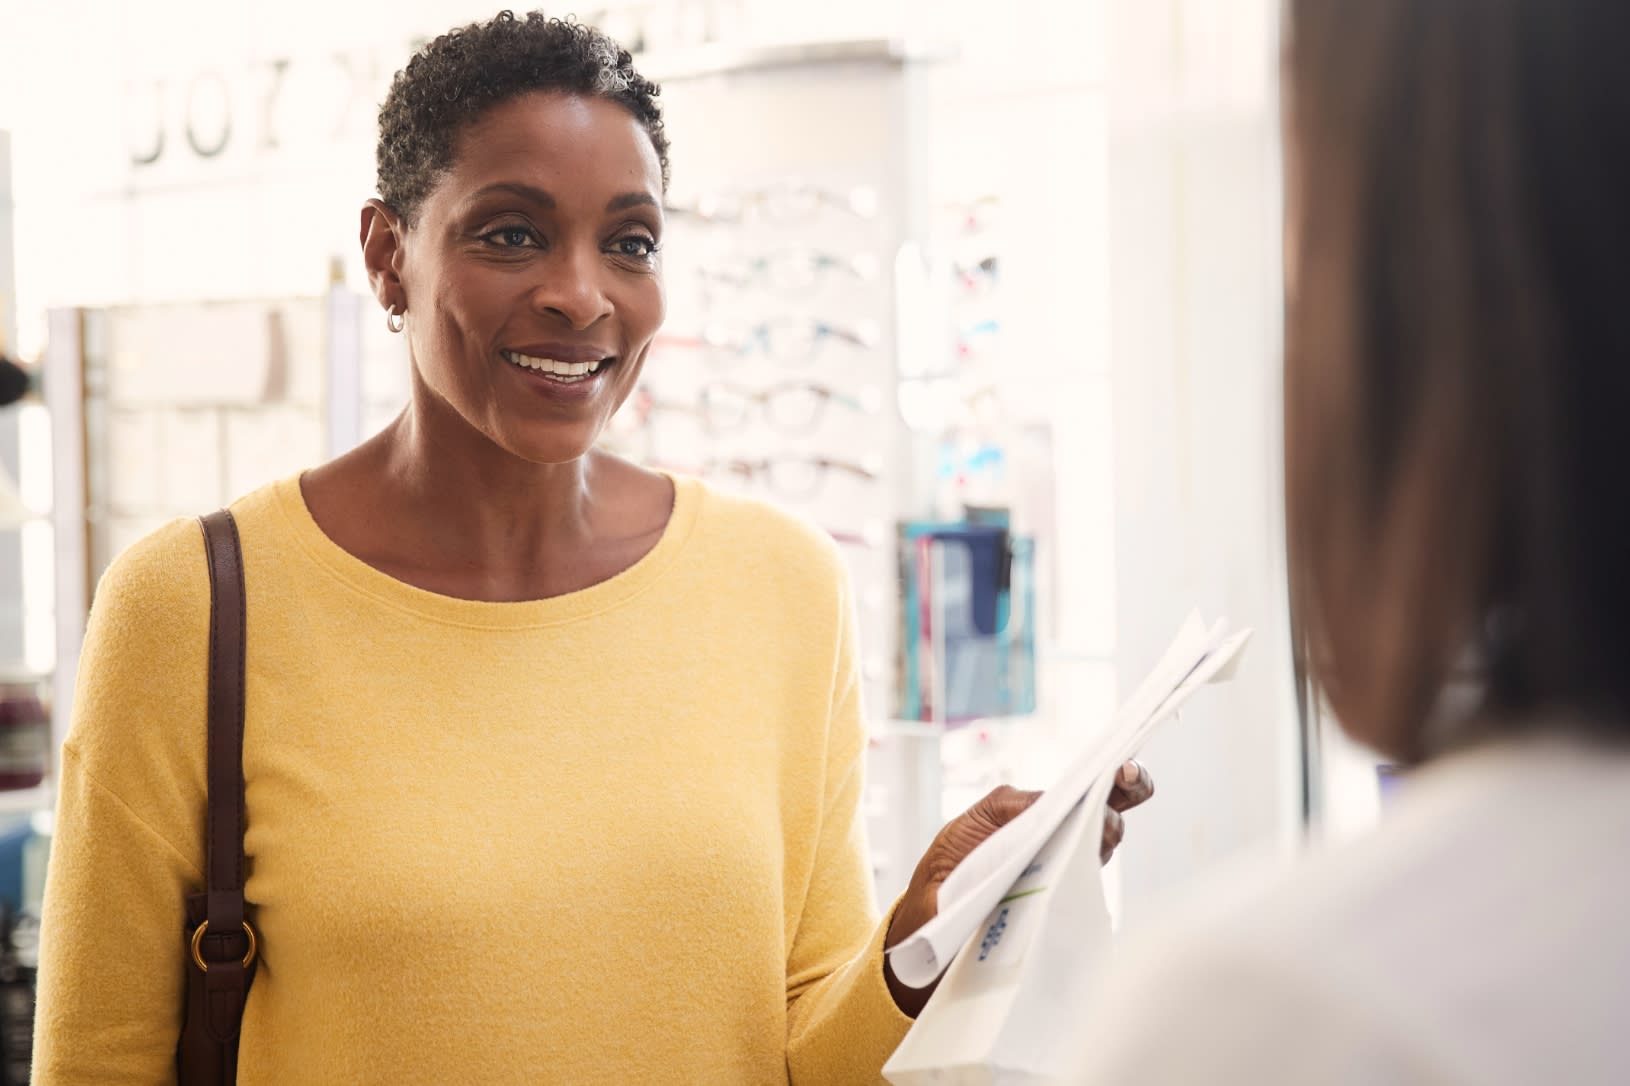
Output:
[[227, 615], [227, 943]]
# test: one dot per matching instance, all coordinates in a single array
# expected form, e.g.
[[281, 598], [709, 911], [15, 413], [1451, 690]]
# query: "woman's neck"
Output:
[[469, 519]]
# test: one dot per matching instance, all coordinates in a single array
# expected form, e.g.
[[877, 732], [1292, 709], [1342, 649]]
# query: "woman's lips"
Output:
[[554, 367], [565, 381]]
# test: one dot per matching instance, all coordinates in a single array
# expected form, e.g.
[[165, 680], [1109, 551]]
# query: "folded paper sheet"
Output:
[[1023, 922]]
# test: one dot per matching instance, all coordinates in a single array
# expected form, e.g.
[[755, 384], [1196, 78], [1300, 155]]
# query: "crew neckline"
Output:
[[572, 606]]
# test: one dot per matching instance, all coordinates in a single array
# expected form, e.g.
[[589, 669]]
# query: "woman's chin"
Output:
[[551, 449]]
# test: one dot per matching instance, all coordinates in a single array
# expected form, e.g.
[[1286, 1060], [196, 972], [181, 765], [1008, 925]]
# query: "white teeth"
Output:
[[552, 367]]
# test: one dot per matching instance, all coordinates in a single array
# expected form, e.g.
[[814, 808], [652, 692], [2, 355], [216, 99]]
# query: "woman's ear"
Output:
[[383, 236]]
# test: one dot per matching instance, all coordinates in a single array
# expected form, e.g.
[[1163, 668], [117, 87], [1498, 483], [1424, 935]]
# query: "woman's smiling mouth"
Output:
[[565, 372]]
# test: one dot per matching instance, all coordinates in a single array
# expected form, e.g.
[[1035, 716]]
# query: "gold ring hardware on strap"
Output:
[[198, 942]]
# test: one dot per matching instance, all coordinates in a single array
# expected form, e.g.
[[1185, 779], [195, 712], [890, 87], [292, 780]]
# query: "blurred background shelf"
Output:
[[28, 800]]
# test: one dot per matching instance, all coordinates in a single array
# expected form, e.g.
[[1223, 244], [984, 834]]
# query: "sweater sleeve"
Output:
[[842, 1024], [128, 845]]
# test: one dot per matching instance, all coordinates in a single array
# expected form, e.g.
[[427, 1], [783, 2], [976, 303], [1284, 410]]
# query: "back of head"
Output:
[[1457, 378]]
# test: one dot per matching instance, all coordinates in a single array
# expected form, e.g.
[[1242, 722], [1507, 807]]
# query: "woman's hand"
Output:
[[962, 834]]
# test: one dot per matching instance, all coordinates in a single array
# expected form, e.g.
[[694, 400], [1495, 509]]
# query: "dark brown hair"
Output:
[[1457, 373], [455, 79]]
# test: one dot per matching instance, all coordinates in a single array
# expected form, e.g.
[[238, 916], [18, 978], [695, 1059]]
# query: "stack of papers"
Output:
[[993, 871]]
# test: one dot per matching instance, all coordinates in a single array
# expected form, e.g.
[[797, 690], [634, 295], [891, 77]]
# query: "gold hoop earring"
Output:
[[395, 321]]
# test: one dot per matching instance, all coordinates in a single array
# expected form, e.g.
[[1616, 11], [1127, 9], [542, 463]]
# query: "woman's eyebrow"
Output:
[[632, 199], [527, 192]]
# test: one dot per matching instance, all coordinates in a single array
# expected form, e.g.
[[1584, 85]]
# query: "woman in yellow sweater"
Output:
[[553, 763]]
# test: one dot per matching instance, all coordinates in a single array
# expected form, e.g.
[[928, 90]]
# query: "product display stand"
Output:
[[927, 770]]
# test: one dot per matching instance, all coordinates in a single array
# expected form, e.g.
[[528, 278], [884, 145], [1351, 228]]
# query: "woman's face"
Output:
[[532, 278]]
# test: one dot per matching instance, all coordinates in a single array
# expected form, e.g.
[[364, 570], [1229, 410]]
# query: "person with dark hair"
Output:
[[554, 763], [1456, 391]]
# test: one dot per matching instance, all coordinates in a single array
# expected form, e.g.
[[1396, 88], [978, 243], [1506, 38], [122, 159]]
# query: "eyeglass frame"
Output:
[[764, 466], [721, 345], [762, 398], [760, 270]]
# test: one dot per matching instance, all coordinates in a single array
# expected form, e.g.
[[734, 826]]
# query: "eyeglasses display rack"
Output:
[[814, 290]]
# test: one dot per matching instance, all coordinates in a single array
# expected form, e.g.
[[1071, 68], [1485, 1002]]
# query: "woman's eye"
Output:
[[636, 245], [510, 237]]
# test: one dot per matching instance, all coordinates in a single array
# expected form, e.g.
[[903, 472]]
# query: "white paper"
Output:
[[970, 896], [1009, 1008]]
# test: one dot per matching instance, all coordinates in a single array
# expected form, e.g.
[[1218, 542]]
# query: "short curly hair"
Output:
[[456, 78]]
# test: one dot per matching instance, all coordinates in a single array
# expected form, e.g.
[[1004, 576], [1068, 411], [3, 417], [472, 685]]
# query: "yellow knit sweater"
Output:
[[609, 837]]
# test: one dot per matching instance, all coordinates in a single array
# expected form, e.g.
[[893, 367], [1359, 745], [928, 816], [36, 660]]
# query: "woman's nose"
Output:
[[570, 288]]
